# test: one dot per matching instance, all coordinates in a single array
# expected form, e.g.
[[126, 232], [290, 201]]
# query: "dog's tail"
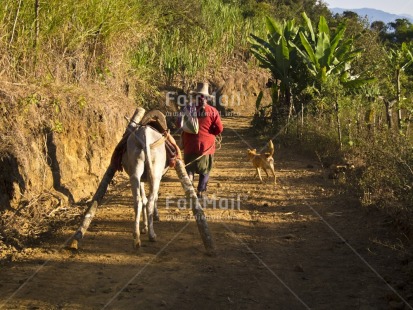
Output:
[[270, 148]]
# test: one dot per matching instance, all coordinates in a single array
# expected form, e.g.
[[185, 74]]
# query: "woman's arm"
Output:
[[217, 127]]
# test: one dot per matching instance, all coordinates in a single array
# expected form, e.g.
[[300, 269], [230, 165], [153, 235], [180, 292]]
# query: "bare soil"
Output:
[[303, 243]]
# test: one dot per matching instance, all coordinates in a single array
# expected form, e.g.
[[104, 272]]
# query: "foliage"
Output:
[[342, 98], [400, 58], [278, 54], [112, 42], [387, 179], [329, 55], [402, 31]]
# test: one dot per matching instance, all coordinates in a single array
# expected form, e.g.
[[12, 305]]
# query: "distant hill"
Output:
[[374, 15]]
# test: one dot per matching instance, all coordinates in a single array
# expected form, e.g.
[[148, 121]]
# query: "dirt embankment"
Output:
[[55, 139], [53, 150]]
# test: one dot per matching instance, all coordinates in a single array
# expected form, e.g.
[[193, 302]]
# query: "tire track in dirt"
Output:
[[273, 251]]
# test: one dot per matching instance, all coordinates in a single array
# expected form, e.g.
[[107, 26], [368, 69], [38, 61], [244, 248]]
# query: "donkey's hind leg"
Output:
[[137, 204], [153, 197], [155, 212], [144, 229]]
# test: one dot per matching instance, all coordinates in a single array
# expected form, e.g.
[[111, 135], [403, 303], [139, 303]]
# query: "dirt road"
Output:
[[303, 243]]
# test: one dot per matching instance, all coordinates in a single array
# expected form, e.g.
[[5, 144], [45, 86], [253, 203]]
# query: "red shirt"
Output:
[[209, 127]]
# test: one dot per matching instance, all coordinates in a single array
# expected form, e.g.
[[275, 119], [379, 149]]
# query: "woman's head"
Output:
[[200, 100]]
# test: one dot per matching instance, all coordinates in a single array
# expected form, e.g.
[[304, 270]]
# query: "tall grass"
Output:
[[203, 39], [111, 41]]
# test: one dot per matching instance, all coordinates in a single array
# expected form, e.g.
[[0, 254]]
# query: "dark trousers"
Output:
[[201, 166], [203, 181]]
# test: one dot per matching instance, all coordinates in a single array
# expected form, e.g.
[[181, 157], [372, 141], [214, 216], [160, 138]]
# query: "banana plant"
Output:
[[280, 57], [277, 54], [329, 54], [399, 59]]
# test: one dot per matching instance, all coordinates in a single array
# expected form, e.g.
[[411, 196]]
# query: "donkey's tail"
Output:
[[148, 158]]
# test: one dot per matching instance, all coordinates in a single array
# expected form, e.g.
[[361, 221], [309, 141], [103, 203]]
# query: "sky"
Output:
[[390, 6]]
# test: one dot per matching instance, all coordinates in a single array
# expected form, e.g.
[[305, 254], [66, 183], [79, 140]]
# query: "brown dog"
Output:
[[264, 161]]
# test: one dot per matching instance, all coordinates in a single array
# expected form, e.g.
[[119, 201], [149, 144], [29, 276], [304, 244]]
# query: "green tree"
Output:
[[378, 26], [403, 31], [289, 9]]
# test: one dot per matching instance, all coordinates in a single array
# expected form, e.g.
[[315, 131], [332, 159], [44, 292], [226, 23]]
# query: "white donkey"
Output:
[[145, 159]]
